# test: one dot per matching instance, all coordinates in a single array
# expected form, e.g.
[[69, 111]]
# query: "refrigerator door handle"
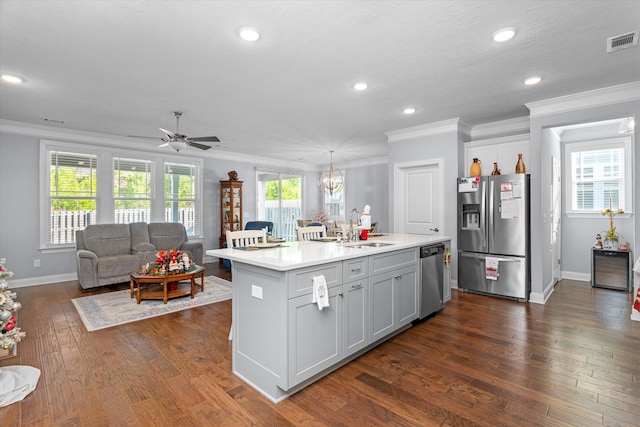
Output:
[[490, 227], [483, 216], [483, 256]]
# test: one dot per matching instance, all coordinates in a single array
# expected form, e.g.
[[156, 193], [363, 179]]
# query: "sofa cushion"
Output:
[[108, 239], [140, 237], [118, 265], [167, 235]]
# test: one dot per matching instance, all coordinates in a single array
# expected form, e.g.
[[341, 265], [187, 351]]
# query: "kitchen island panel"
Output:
[[259, 334], [315, 336]]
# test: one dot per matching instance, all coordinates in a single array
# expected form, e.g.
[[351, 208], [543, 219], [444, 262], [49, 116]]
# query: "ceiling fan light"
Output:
[[177, 145]]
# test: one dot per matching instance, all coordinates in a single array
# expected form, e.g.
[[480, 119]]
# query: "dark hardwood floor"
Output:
[[480, 361]]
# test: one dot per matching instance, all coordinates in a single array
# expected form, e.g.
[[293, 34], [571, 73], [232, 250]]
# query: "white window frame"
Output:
[[105, 198], [624, 142]]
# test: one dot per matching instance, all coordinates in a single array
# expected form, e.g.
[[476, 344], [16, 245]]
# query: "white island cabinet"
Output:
[[282, 341]]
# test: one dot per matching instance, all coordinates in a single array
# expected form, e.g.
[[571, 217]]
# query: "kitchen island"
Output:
[[283, 341]]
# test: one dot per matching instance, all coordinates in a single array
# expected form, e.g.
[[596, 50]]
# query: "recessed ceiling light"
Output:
[[360, 86], [533, 80], [409, 110], [249, 34], [11, 79], [504, 35]]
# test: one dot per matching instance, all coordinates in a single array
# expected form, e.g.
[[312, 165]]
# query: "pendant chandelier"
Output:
[[331, 180]]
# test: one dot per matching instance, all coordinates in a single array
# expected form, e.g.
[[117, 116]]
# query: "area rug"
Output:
[[117, 308]]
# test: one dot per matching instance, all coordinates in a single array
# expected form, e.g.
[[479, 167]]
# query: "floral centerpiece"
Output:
[[319, 215], [172, 261], [9, 332], [169, 262], [611, 239]]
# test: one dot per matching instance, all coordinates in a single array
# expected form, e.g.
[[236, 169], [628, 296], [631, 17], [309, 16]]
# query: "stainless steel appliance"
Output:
[[432, 263], [493, 235]]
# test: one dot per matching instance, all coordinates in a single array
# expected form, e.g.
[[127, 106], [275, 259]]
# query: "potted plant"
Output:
[[611, 238]]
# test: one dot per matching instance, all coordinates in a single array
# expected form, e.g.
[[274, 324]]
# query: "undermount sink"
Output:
[[370, 245]]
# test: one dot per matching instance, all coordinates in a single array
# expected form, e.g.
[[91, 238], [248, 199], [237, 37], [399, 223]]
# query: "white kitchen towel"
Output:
[[491, 268], [320, 293]]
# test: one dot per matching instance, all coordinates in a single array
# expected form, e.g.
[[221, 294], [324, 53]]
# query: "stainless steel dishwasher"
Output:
[[432, 265]]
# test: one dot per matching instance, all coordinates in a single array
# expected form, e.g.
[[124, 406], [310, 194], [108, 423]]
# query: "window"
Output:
[[182, 195], [131, 190], [334, 204], [599, 175], [71, 196], [280, 201], [81, 186]]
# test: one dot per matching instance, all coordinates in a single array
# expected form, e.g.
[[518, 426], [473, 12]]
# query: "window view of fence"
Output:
[[65, 223], [285, 229]]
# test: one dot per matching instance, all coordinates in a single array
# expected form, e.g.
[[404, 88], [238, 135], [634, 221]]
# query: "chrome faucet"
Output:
[[354, 235]]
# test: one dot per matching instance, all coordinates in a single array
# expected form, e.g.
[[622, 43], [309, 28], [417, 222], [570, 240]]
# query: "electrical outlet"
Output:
[[36, 262], [3, 260]]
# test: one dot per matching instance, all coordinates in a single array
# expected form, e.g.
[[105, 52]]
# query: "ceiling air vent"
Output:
[[622, 41]]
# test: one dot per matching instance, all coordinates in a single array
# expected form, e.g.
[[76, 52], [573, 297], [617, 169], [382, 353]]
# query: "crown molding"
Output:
[[429, 129], [519, 125], [106, 140], [579, 101], [497, 140]]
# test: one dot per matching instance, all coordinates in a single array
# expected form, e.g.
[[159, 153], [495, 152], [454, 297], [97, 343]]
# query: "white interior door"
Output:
[[555, 217], [418, 197]]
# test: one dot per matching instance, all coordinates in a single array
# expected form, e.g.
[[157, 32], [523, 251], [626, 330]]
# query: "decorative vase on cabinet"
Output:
[[230, 208], [475, 169], [520, 165], [495, 171]]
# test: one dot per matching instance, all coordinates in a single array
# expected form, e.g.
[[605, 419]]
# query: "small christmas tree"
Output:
[[10, 334]]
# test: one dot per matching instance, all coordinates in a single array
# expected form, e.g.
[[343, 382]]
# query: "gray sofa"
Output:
[[109, 253]]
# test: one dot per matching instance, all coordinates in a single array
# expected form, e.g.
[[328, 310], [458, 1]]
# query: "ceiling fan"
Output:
[[178, 141]]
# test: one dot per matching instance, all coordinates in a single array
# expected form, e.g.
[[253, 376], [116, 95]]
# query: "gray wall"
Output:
[[446, 146], [20, 192], [575, 246], [368, 185]]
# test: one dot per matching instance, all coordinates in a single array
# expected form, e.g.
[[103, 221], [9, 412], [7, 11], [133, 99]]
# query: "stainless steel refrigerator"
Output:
[[494, 235]]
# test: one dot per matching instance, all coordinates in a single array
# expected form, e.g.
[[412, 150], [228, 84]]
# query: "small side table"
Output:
[[612, 269], [157, 285]]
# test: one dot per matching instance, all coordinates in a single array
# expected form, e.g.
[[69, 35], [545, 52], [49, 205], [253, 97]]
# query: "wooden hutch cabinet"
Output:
[[230, 208]]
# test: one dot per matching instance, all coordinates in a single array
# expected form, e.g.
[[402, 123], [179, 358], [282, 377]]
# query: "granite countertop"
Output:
[[291, 255]]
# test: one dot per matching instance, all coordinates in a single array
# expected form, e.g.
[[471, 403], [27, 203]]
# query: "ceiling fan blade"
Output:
[[168, 132], [163, 145], [205, 139], [196, 145]]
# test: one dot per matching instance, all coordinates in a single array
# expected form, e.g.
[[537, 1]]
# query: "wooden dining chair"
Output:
[[312, 232], [243, 238]]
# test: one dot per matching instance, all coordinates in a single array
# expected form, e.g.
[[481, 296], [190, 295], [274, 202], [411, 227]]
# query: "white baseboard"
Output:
[[572, 275], [43, 280]]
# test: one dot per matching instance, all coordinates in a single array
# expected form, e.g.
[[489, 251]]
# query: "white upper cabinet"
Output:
[[502, 150]]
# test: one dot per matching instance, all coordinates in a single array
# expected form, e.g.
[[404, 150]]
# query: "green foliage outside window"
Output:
[[73, 186], [290, 189]]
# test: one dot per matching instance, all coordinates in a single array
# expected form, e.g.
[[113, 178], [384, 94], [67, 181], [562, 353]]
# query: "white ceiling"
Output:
[[123, 67]]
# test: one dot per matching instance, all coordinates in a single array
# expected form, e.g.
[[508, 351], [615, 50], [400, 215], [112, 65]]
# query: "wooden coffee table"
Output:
[[149, 286]]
